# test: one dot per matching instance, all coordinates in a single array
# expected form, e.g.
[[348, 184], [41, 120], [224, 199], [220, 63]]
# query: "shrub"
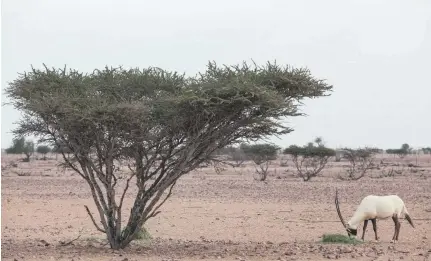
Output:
[[401, 152], [309, 160], [361, 160], [17, 146], [43, 149], [21, 146], [233, 154], [261, 155]]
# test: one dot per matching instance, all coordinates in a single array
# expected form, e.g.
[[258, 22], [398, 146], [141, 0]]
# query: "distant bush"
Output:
[[361, 160], [261, 155], [21, 146], [401, 152], [17, 146], [43, 149], [236, 155], [309, 160]]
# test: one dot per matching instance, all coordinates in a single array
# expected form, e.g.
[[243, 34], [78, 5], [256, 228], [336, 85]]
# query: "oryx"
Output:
[[372, 208]]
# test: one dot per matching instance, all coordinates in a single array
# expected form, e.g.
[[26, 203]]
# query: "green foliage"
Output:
[[309, 151], [21, 146], [43, 149], [406, 147], [341, 239], [234, 154], [17, 147], [163, 123], [361, 160], [401, 152], [426, 150], [141, 234], [260, 153], [28, 149], [60, 147], [310, 159]]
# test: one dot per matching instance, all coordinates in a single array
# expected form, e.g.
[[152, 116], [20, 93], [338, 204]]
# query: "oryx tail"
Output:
[[406, 214]]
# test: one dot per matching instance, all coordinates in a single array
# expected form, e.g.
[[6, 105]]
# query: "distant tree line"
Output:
[[310, 159], [27, 147]]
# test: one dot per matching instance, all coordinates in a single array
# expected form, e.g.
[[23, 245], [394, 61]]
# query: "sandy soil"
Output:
[[227, 216]]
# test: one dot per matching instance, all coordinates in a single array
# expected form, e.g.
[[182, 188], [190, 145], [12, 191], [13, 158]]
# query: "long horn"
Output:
[[337, 205]]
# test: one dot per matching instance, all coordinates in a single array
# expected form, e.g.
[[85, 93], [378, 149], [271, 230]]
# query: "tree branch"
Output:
[[93, 220], [155, 212]]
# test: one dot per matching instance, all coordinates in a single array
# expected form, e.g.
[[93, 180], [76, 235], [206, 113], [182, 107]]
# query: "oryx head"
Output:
[[350, 231]]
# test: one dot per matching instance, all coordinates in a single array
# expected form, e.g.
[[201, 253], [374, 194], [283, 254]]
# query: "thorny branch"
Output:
[[93, 220]]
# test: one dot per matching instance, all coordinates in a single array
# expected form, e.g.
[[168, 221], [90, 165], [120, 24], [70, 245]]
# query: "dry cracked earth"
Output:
[[226, 216]]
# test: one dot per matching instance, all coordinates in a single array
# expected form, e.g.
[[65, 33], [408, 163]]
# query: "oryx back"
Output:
[[380, 207]]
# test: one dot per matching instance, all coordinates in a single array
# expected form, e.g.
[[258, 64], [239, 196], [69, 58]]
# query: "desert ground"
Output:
[[215, 216]]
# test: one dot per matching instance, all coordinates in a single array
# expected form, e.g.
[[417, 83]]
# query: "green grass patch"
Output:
[[340, 239], [143, 234]]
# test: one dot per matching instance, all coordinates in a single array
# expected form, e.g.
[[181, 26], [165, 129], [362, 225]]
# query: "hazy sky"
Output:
[[376, 53]]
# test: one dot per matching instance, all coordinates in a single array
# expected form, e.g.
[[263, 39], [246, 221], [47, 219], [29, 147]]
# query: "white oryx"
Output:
[[375, 207]]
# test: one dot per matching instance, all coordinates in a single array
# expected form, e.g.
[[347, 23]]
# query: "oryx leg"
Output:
[[364, 228], [397, 227], [374, 221]]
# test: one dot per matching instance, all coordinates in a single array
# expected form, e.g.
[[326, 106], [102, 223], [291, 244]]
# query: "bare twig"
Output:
[[94, 221], [125, 190], [70, 242], [155, 212]]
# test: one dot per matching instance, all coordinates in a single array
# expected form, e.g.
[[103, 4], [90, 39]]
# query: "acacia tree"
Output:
[[426, 150], [236, 155], [43, 149], [401, 152], [21, 146], [261, 155], [17, 146], [162, 123], [310, 159], [361, 160]]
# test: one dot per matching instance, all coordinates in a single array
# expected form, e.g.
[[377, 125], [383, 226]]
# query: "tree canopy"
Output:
[[21, 146], [310, 159], [164, 123]]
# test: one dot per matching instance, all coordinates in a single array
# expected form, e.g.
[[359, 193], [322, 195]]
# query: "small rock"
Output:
[[44, 242], [289, 253], [346, 250]]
